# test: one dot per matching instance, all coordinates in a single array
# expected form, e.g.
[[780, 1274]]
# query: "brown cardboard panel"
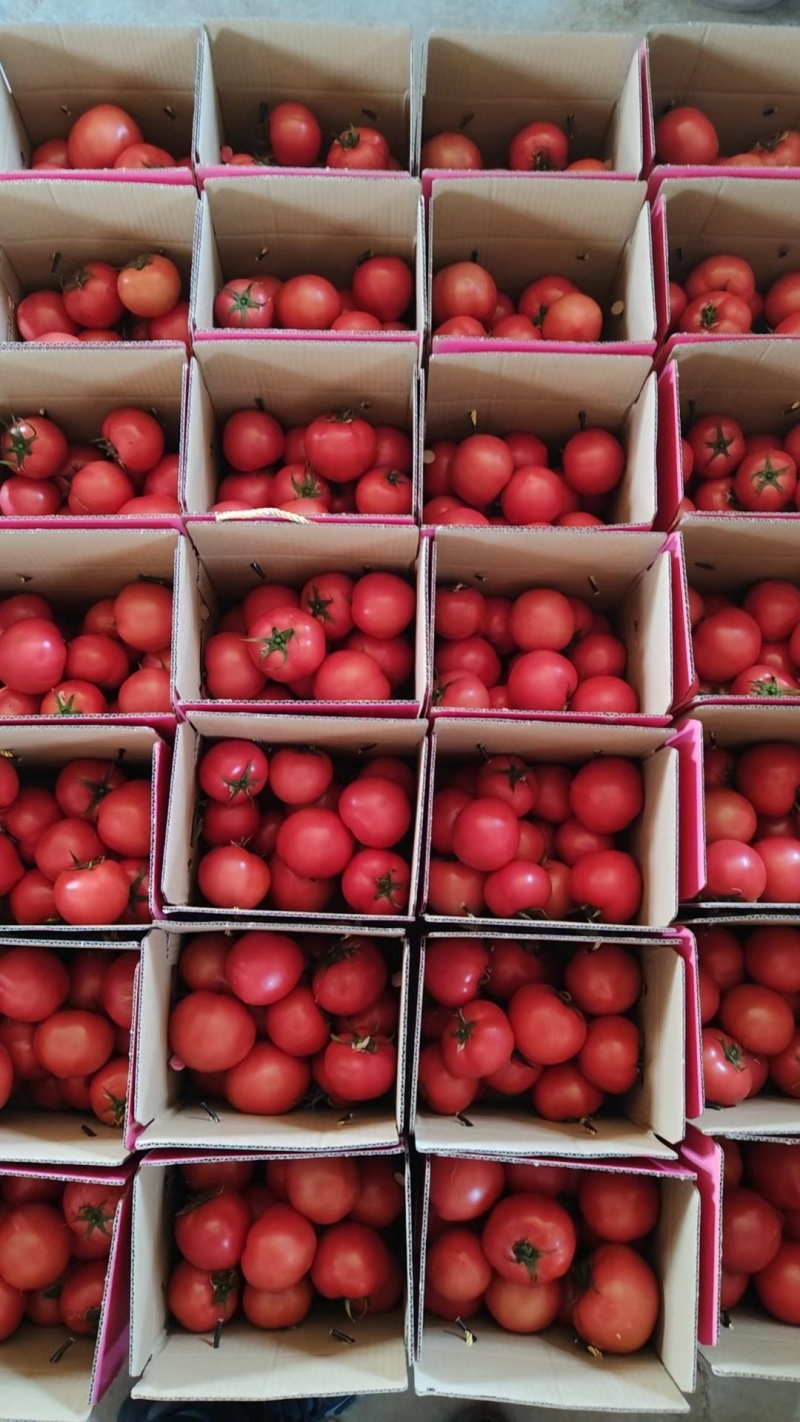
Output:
[[758, 219], [744, 77], [724, 556], [764, 1115], [340, 71], [589, 86], [56, 72], [755, 381], [737, 726], [78, 566], [26, 1377], [755, 1346]]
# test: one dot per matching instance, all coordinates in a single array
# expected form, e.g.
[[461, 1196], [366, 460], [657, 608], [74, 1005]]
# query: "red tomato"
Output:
[[359, 147], [684, 135], [246, 303], [464, 1189], [594, 462], [209, 1032], [717, 313], [108, 1092], [728, 815], [211, 1232], [751, 1231], [529, 1239], [456, 1266], [150, 285], [377, 811], [451, 150], [511, 965], [547, 1030], [446, 1094], [539, 146], [574, 317], [262, 967], [99, 135], [722, 955], [376, 882], [35, 448], [721, 273], [768, 775], [34, 1246], [725, 643], [778, 1286], [782, 300], [284, 1308], [607, 794], [609, 883], [73, 1043], [520, 1309], [267, 1082], [359, 1069], [33, 983], [758, 1018], [478, 1040], [609, 1058], [279, 1249], [619, 1309], [766, 483], [727, 1077], [32, 656], [295, 138], [308, 303], [454, 969], [351, 977], [772, 958], [486, 834], [384, 286], [463, 289], [619, 1208], [299, 777], [199, 1301]]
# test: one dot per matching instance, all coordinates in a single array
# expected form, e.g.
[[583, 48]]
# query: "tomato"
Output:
[[519, 888], [124, 819], [778, 1285], [533, 495], [721, 273], [34, 1246], [279, 1249], [508, 778], [150, 285], [32, 656], [451, 1309], [520, 1309], [297, 892], [376, 882], [541, 681], [574, 317], [262, 967], [351, 977], [610, 1056], [725, 643], [73, 1043], [709, 996], [295, 1024], [463, 289], [728, 815], [35, 448], [751, 1231], [451, 150], [89, 1212], [283, 1308], [529, 1239], [454, 969], [619, 1208], [381, 1193], [511, 965], [758, 1018], [717, 312], [684, 135], [539, 146], [722, 955], [594, 462], [772, 957], [307, 303], [384, 286], [486, 834], [108, 1092], [97, 659], [464, 1189], [780, 856], [134, 438], [230, 771], [766, 482], [209, 1032], [607, 794], [246, 303], [352, 1262], [359, 147], [33, 983], [734, 871], [360, 1069], [478, 1040], [609, 884], [769, 776], [774, 1170], [547, 1030], [267, 1082], [98, 136], [782, 300], [456, 1266], [143, 616], [384, 491], [775, 605], [377, 811], [199, 1301], [295, 137], [619, 1308], [727, 1077], [446, 1094], [299, 777], [118, 989]]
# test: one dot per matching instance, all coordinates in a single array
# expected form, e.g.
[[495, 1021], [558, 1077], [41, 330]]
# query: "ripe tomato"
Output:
[[478, 1041], [607, 794], [246, 303], [89, 1212], [231, 771], [538, 147], [563, 1093], [450, 1309], [124, 819], [32, 656], [308, 303], [359, 147], [547, 1030], [73, 1043], [717, 313], [511, 965], [486, 834], [33, 983], [381, 1195], [262, 967], [351, 1261], [324, 1189], [464, 1189], [384, 286], [529, 1239], [118, 989], [446, 1094], [593, 461], [456, 1266], [684, 135], [134, 438], [98, 136], [757, 1018], [609, 1058], [519, 888], [279, 1249], [143, 616], [619, 1309], [768, 775], [454, 969], [35, 448], [619, 1208], [782, 300], [780, 856], [351, 977], [520, 1309], [778, 1286], [376, 882], [725, 644], [295, 1023], [533, 495], [283, 1308], [463, 289], [607, 882], [150, 285], [34, 1246], [751, 1231], [295, 137], [299, 777], [728, 815], [451, 150], [210, 1032], [727, 1077], [108, 1092], [574, 317], [376, 810], [541, 681], [360, 1069], [767, 482], [771, 955], [267, 1082], [198, 1301], [721, 273]]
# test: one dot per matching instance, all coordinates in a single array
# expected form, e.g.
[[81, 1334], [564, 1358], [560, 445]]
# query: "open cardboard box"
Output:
[[347, 736], [742, 77], [647, 1121], [52, 225], [754, 381], [311, 1360], [628, 577], [552, 395], [288, 226], [77, 386], [236, 556], [49, 1374], [73, 568], [595, 232], [588, 84], [295, 381], [54, 73], [694, 218], [71, 1138], [654, 838], [729, 556], [42, 750], [169, 1119], [344, 73], [551, 1369]]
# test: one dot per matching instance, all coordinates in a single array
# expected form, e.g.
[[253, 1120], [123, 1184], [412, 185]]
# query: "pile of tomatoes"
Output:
[[140, 301], [725, 470], [120, 650], [105, 136], [752, 834], [685, 136], [55, 1239], [380, 298], [126, 470], [510, 839], [540, 651], [309, 1230], [339, 638], [492, 479], [761, 1227], [75, 843], [466, 302], [749, 649], [748, 999], [263, 1016], [547, 1028], [65, 1025], [336, 464], [719, 298], [295, 140], [539, 147], [344, 821], [537, 1245]]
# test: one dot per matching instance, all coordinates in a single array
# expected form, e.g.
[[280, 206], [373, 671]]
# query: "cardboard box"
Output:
[[54, 73], [754, 381], [42, 750], [344, 73], [642, 1123], [78, 386], [595, 232], [628, 577], [734, 726], [694, 218], [729, 555], [552, 394], [47, 232], [288, 226], [742, 77], [549, 1369], [71, 1138], [74, 568], [38, 1379], [588, 85], [296, 381], [666, 758], [344, 736], [236, 556], [250, 1364], [169, 1119]]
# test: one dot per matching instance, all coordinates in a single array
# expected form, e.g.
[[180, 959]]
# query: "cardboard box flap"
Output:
[[190, 1127], [80, 565], [507, 560], [755, 1346], [60, 1138], [747, 725], [28, 1376], [757, 218], [705, 1158], [483, 1130], [766, 1115], [676, 1246], [756, 379], [723, 555]]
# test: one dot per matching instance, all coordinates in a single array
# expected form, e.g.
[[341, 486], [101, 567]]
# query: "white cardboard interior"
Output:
[[344, 735], [251, 1364], [588, 85], [653, 837], [629, 1126], [756, 218], [595, 232], [532, 390], [56, 72], [172, 1122], [296, 381], [623, 575]]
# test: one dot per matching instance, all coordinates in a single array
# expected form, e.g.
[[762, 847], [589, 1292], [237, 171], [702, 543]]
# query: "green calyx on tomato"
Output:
[[223, 1284], [387, 887], [113, 1104], [315, 603], [242, 302], [349, 138], [525, 1253], [769, 475], [18, 445], [278, 641], [719, 445], [95, 1218]]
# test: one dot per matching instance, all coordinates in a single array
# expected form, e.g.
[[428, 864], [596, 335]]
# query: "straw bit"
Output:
[[466, 1335]]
